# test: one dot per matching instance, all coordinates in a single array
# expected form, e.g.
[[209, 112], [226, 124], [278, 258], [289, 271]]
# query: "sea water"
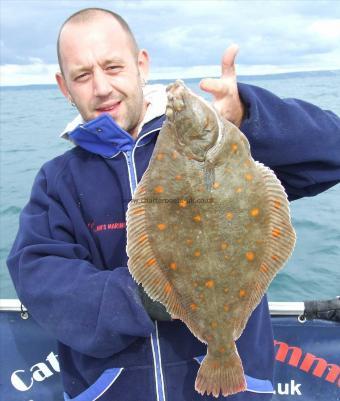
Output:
[[33, 116]]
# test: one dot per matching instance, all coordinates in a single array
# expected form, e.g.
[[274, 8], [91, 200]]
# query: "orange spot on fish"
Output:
[[264, 268], [197, 218], [195, 284], [224, 245], [248, 177], [159, 189], [213, 324], [178, 177], [234, 147], [193, 307], [277, 204], [226, 308], [189, 241], [226, 290], [222, 350], [160, 156], [167, 288], [238, 190], [161, 226], [255, 212], [150, 262], [247, 163], [216, 185], [250, 256], [173, 266], [197, 253], [209, 337], [242, 293], [210, 283], [139, 211], [226, 257], [215, 364], [182, 203], [229, 216], [142, 238], [275, 257], [276, 232], [174, 155]]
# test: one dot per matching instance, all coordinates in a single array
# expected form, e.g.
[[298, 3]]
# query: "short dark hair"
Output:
[[87, 14]]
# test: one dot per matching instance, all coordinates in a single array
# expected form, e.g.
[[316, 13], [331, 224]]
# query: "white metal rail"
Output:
[[276, 308]]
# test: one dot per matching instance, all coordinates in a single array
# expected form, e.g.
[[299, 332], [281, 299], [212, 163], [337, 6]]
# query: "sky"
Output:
[[185, 38]]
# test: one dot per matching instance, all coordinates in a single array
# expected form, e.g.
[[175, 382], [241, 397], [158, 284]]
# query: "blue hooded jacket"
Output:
[[68, 262]]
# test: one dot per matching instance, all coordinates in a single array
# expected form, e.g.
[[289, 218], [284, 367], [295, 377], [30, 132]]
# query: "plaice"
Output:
[[208, 229]]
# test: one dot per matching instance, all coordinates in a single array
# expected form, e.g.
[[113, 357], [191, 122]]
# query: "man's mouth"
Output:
[[108, 108]]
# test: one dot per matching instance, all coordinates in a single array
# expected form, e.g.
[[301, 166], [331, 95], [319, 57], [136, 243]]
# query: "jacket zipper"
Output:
[[156, 352], [130, 160], [131, 170]]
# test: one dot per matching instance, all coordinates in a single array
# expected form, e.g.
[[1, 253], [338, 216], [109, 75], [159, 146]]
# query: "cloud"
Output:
[[282, 34], [188, 35], [29, 74]]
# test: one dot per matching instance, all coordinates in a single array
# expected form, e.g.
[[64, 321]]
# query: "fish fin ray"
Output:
[[280, 242], [145, 267]]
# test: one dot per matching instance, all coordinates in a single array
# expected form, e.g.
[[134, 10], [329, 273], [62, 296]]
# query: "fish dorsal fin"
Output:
[[280, 241], [144, 265]]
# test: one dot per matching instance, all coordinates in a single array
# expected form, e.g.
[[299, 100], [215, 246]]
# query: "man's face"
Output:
[[101, 73]]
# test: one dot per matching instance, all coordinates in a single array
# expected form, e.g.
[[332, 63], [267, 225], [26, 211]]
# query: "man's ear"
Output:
[[62, 86], [143, 64]]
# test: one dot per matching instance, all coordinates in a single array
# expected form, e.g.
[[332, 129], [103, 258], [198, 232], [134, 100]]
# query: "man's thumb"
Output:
[[213, 86]]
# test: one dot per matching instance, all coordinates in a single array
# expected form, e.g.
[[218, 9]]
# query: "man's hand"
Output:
[[155, 309], [224, 90]]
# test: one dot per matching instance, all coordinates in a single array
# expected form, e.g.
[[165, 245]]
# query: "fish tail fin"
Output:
[[220, 375]]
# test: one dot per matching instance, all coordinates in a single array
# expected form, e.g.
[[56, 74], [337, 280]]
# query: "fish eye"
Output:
[[206, 131], [205, 123]]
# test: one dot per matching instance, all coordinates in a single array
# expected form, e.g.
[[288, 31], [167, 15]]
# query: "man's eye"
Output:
[[82, 77], [114, 67]]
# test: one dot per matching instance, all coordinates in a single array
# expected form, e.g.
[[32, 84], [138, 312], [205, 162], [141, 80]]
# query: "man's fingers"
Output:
[[220, 87], [224, 90], [228, 61], [215, 86]]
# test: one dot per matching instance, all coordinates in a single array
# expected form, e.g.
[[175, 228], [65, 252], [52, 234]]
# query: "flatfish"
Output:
[[207, 230]]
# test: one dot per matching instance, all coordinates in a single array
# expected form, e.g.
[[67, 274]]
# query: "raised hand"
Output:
[[224, 90]]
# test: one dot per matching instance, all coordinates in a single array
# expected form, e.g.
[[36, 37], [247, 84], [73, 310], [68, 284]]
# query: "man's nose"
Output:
[[101, 84]]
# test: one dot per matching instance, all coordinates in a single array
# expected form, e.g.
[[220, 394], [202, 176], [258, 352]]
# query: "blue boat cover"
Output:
[[307, 360]]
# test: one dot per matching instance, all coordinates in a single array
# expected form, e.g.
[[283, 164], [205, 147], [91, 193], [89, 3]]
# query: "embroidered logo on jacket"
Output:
[[107, 226]]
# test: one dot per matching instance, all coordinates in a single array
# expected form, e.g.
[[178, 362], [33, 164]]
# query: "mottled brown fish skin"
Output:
[[208, 229]]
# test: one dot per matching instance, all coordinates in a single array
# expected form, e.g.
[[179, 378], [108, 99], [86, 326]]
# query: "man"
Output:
[[68, 262]]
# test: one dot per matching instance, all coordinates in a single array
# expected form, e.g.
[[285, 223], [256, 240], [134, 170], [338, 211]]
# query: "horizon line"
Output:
[[155, 80]]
